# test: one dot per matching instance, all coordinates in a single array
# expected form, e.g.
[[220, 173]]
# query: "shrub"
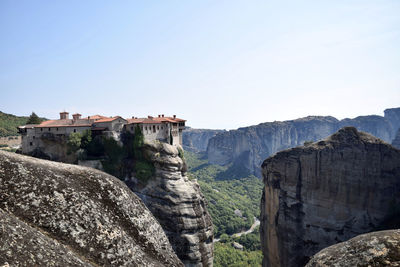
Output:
[[74, 142]]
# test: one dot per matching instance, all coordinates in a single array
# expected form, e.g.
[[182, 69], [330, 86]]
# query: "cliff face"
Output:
[[324, 193], [56, 214], [393, 116], [178, 205], [373, 249], [248, 147], [197, 139], [396, 141]]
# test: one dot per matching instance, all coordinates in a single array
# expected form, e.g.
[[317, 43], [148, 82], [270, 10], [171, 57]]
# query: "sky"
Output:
[[217, 64]]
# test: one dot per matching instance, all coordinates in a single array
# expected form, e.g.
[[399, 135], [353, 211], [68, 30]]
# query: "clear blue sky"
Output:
[[218, 64]]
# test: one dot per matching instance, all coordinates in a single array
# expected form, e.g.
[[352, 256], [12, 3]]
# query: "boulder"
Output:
[[56, 214]]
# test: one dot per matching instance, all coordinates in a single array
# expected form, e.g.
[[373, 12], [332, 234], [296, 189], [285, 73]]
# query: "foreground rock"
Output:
[[178, 205], [373, 249], [247, 147], [55, 214], [325, 193]]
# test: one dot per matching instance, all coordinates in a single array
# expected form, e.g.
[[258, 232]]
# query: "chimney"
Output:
[[174, 116], [159, 116], [150, 117], [162, 115], [64, 115], [76, 116]]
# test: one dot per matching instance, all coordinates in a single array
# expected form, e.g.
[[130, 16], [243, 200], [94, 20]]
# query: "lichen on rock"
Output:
[[83, 216]]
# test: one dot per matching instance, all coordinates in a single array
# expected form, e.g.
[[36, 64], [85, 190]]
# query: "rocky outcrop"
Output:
[[247, 147], [197, 139], [393, 116], [55, 214], [373, 249], [326, 192], [178, 204], [396, 141]]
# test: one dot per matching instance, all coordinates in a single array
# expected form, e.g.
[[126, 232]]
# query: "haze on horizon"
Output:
[[217, 64]]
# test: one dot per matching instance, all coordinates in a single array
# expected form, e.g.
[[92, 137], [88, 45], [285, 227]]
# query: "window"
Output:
[[49, 129], [56, 129], [41, 129], [74, 130], [154, 128], [145, 128], [162, 128], [33, 137], [30, 143], [132, 128]]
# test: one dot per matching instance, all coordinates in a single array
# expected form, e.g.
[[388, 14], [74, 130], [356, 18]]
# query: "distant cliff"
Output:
[[326, 192], [177, 203], [247, 147], [55, 214], [197, 139]]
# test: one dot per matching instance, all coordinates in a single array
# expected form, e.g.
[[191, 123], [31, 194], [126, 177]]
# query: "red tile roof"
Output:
[[155, 120], [109, 119]]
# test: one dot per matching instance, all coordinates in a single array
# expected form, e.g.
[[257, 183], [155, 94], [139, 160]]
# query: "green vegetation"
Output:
[[9, 123], [226, 196], [74, 142], [226, 255], [34, 119], [117, 159], [227, 190]]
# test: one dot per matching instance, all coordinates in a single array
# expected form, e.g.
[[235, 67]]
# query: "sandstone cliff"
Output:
[[373, 249], [326, 192], [55, 214], [197, 139], [247, 147], [178, 205]]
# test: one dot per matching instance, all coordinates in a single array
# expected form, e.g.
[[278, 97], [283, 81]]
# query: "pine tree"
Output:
[[34, 119]]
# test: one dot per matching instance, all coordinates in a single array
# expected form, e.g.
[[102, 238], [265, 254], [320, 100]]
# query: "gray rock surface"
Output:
[[326, 192], [178, 205], [393, 116], [396, 141], [247, 147], [373, 249], [56, 214], [197, 139]]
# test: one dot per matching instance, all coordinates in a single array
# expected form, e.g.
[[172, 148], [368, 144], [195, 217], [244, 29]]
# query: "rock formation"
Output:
[[326, 192], [393, 116], [197, 139], [178, 204], [373, 249], [55, 214], [396, 140], [247, 147]]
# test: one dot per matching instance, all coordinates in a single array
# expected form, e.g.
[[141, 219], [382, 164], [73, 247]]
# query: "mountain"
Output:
[[196, 140], [56, 214], [246, 148], [327, 192]]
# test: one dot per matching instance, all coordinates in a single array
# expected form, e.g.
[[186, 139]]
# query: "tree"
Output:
[[34, 119], [74, 142]]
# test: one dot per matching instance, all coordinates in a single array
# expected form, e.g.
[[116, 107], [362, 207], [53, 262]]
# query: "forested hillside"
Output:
[[233, 203], [9, 123]]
